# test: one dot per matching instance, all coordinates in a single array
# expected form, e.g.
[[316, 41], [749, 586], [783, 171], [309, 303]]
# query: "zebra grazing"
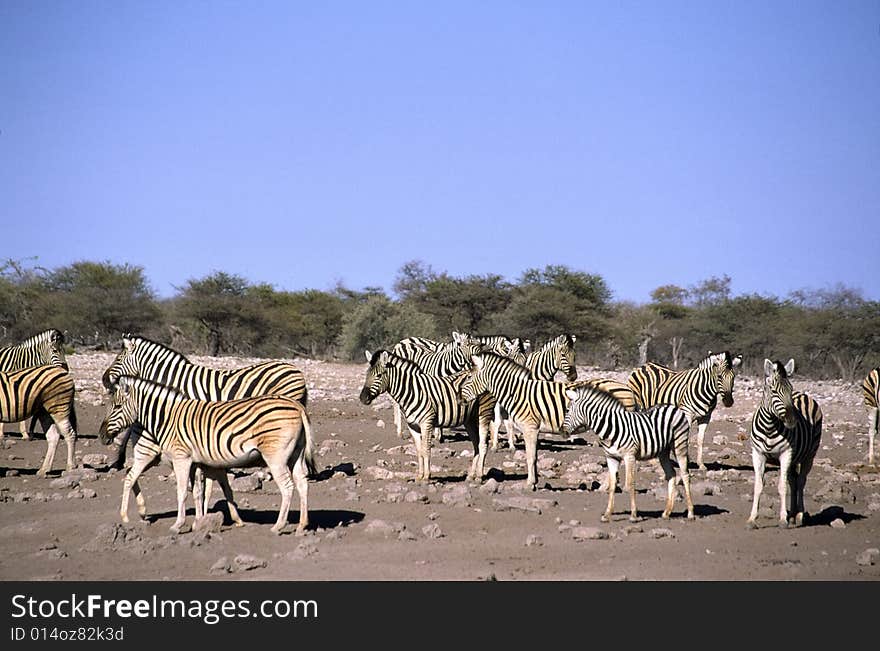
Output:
[[787, 425], [44, 349], [153, 361], [556, 355], [274, 430], [427, 402], [47, 393], [695, 390], [658, 433], [871, 391], [528, 402]]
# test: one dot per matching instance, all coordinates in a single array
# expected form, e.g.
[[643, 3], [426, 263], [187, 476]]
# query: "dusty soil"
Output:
[[371, 521]]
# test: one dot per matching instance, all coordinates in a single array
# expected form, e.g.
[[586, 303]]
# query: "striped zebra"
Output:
[[659, 433], [427, 402], [871, 392], [695, 390], [556, 355], [621, 392], [447, 359], [271, 430], [787, 425], [46, 348], [47, 393], [529, 402], [141, 357]]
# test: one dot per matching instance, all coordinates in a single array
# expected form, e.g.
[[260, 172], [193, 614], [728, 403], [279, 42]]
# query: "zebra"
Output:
[[529, 402], [658, 433], [871, 392], [558, 354], [427, 401], [141, 357], [46, 348], [695, 390], [447, 359], [787, 425], [45, 392], [274, 430]]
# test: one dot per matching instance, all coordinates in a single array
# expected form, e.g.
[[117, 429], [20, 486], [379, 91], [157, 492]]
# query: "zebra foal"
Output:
[[43, 349], [787, 425], [629, 436], [47, 393], [220, 434]]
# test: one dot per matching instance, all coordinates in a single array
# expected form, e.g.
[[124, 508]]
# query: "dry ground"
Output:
[[370, 521]]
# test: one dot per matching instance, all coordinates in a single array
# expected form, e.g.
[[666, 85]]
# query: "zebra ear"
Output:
[[368, 355], [572, 394], [789, 368], [768, 367], [736, 361], [457, 337], [128, 343]]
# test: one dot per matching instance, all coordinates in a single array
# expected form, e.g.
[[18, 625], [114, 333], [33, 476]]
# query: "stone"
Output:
[[80, 475], [407, 535], [534, 540], [94, 460], [868, 557], [246, 484], [837, 523], [490, 486], [415, 496], [247, 562], [380, 424], [374, 472], [532, 505], [662, 533], [379, 528], [64, 482], [210, 522], [588, 533], [221, 566], [432, 531], [458, 496]]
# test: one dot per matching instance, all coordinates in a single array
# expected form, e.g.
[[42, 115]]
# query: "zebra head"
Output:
[[475, 382], [723, 366], [376, 382], [53, 349], [777, 391], [587, 406], [516, 351], [576, 415], [467, 344], [122, 412], [565, 356], [126, 363]]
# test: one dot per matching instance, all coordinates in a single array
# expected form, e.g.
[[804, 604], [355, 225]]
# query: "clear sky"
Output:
[[304, 143]]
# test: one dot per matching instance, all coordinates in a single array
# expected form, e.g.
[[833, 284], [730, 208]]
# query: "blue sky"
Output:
[[302, 144]]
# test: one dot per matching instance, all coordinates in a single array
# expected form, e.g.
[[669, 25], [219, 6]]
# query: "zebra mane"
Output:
[[507, 362], [601, 395], [149, 342], [709, 361], [50, 334], [398, 361]]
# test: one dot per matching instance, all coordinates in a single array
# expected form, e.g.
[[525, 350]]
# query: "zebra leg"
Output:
[[799, 509], [281, 474], [181, 472], [629, 462], [530, 437], [398, 421], [223, 480], [613, 465], [873, 419], [23, 429], [140, 463], [52, 438], [495, 426], [427, 428], [300, 478], [784, 470], [758, 463], [670, 477], [417, 442], [197, 478], [701, 434], [69, 434], [511, 433], [681, 459]]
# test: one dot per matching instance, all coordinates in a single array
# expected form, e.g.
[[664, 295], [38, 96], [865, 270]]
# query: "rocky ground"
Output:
[[371, 521]]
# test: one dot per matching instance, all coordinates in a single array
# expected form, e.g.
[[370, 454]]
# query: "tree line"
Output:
[[831, 333]]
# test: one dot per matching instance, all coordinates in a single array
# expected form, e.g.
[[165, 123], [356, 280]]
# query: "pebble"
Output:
[[380, 528], [246, 562], [868, 557], [432, 531], [211, 522], [589, 533], [837, 523], [662, 533], [534, 540]]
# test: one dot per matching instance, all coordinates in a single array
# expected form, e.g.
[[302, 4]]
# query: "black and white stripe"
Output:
[[427, 402], [44, 349], [47, 393], [272, 430], [871, 393], [786, 426], [556, 355], [695, 390], [528, 402], [659, 433]]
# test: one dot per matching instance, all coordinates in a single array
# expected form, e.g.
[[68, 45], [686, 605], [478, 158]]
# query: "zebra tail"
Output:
[[308, 452]]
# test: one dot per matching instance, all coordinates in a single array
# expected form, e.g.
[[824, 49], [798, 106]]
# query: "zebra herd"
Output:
[[207, 420]]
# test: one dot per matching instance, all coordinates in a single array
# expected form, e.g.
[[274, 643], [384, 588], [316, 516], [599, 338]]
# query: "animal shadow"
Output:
[[830, 513]]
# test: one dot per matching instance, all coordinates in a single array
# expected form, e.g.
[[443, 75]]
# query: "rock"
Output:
[[374, 472], [489, 486], [532, 505], [588, 533], [835, 493], [704, 488], [534, 540], [246, 562], [89, 493], [458, 496], [94, 460], [432, 531], [720, 439], [80, 475], [305, 549], [113, 536], [837, 523], [546, 462], [246, 484], [210, 522], [64, 482], [221, 566], [380, 424], [415, 496], [380, 528], [407, 535], [662, 533], [631, 529], [868, 556]]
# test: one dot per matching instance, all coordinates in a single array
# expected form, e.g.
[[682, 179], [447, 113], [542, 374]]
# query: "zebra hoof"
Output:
[[605, 517], [751, 525], [783, 524]]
